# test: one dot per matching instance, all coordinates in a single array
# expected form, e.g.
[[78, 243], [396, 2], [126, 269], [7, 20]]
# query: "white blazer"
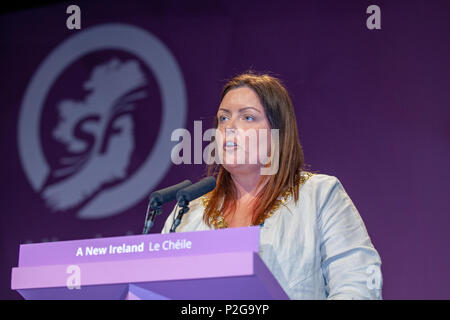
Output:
[[317, 248]]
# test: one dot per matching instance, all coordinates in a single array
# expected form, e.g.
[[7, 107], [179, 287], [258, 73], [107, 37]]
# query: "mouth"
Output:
[[227, 145]]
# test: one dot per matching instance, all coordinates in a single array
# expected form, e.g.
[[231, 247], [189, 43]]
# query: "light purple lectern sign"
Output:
[[140, 247], [217, 264]]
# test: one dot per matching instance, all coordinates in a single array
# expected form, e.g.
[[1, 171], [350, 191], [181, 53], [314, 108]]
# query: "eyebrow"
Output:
[[240, 110]]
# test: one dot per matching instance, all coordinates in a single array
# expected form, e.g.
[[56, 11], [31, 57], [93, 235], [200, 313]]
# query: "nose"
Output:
[[231, 124], [230, 131]]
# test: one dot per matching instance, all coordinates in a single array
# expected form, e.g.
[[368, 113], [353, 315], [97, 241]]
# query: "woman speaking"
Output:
[[312, 237]]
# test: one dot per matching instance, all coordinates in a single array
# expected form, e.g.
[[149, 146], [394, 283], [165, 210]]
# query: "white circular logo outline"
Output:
[[173, 97]]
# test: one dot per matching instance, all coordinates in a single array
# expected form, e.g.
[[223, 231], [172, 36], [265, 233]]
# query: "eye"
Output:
[[249, 118], [222, 118]]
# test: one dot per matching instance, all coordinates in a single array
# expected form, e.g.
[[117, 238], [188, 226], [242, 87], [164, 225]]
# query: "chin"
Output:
[[240, 168]]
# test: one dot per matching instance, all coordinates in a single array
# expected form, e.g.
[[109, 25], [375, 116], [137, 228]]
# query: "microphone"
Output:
[[168, 194], [196, 190], [185, 195], [157, 199]]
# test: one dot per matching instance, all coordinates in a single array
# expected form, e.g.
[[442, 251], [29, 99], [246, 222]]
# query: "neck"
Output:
[[246, 182]]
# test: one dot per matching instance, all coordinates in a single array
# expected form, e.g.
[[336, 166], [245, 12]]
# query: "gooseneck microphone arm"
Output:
[[184, 208], [152, 211]]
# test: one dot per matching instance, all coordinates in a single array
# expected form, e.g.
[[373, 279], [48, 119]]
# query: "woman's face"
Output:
[[242, 126]]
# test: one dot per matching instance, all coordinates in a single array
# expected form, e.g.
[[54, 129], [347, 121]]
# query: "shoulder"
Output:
[[329, 197], [319, 182], [320, 179], [318, 188]]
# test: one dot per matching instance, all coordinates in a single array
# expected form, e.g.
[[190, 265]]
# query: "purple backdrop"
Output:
[[372, 108]]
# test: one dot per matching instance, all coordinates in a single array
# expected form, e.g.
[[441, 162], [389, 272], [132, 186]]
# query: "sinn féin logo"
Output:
[[96, 120]]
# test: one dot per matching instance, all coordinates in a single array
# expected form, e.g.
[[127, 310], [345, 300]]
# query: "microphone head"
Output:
[[168, 194], [196, 190]]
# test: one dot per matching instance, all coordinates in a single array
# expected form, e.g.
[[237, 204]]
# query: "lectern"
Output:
[[207, 265]]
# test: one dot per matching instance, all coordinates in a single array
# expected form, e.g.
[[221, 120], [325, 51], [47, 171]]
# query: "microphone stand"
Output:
[[184, 207], [153, 209]]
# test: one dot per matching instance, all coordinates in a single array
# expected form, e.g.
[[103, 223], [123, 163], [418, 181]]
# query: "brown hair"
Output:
[[280, 113]]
